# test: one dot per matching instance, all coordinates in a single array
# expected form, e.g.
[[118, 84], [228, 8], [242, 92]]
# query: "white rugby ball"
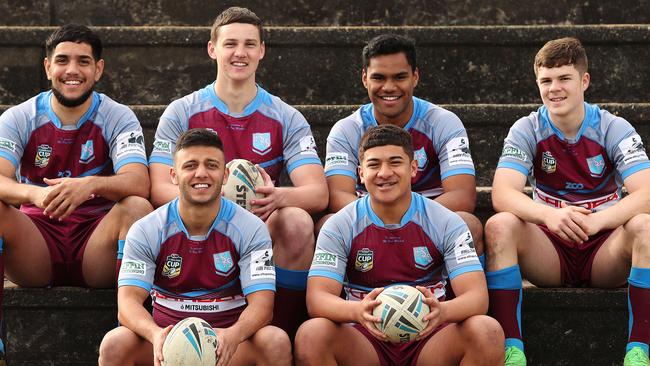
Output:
[[401, 312], [191, 342], [243, 178]]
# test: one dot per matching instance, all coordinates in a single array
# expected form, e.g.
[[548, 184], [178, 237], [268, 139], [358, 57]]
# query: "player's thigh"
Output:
[[538, 258], [318, 337], [100, 252], [121, 346], [26, 255], [612, 262]]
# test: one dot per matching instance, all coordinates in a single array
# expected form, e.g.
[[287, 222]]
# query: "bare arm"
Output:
[[162, 188], [459, 193], [258, 313], [133, 315], [309, 192], [342, 189], [14, 193]]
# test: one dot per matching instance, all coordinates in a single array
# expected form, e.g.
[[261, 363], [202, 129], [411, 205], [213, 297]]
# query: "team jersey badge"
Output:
[[549, 164], [596, 165], [223, 263], [87, 152], [262, 142], [173, 265], [43, 154], [423, 259], [421, 157], [364, 260]]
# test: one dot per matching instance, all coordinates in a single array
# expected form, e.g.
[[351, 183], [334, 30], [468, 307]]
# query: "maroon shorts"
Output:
[[66, 241], [576, 259], [397, 354]]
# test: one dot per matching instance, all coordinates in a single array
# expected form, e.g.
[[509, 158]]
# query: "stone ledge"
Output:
[[561, 326]]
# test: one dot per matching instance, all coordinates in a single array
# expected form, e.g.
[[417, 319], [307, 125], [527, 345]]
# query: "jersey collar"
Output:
[[47, 106], [592, 117], [226, 211], [369, 120], [260, 97], [364, 205]]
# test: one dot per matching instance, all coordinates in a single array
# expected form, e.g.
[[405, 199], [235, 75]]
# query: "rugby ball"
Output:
[[401, 311], [191, 342], [243, 177]]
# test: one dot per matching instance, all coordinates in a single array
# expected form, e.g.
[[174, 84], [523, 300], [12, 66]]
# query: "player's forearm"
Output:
[[14, 193], [119, 186], [340, 199], [257, 314], [635, 203], [134, 316], [163, 192], [470, 303], [458, 200], [322, 304], [312, 198], [518, 203]]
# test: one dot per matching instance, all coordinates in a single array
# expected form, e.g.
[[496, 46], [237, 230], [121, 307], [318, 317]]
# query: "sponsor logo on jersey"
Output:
[[133, 267], [325, 259], [513, 152], [423, 259], [87, 152], [573, 186], [130, 143], [464, 248], [364, 260], [549, 164], [307, 145], [262, 264], [64, 174], [421, 157], [262, 142], [595, 204], [596, 165], [162, 146], [7, 144], [458, 151], [632, 149], [223, 263], [336, 159], [173, 265], [43, 153]]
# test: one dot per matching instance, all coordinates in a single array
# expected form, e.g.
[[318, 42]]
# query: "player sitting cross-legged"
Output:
[[393, 235]]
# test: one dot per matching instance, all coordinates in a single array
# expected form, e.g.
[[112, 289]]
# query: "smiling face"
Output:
[[199, 172], [237, 50], [562, 91], [386, 172], [390, 82], [73, 72]]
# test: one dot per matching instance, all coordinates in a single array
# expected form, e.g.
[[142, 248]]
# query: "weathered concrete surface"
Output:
[[487, 125], [64, 326], [332, 12], [321, 65]]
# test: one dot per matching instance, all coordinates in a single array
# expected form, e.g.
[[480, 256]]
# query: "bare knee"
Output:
[[637, 231], [274, 345], [134, 207], [484, 336], [501, 233], [312, 340], [115, 347], [292, 232]]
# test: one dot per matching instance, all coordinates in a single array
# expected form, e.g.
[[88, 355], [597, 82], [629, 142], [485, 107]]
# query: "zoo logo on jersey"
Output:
[[173, 265], [364, 260], [43, 154]]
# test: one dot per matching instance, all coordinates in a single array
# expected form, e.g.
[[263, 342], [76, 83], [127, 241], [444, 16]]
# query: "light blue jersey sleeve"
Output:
[[451, 142], [333, 247], [624, 146], [342, 157], [299, 146], [123, 133], [519, 147], [15, 131], [141, 249], [172, 124]]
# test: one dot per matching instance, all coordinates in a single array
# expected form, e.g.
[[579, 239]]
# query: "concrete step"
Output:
[[320, 65], [64, 326], [333, 12], [487, 125]]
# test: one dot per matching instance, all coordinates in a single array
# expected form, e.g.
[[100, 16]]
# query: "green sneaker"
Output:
[[636, 357], [515, 357]]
